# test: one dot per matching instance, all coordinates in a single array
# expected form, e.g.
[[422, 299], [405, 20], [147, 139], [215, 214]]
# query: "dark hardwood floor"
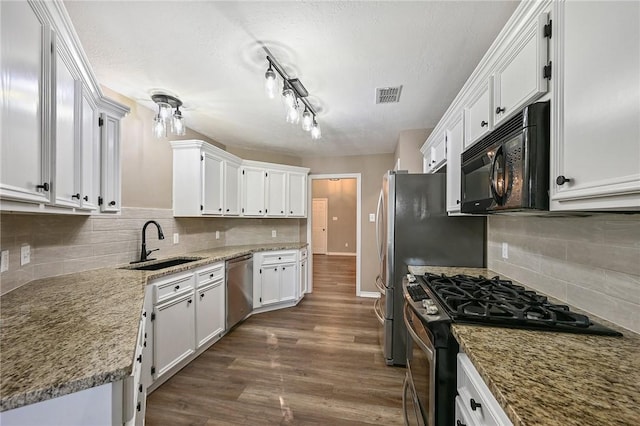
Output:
[[318, 363]]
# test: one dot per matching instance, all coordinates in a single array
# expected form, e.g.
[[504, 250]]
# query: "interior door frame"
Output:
[[358, 178], [326, 220]]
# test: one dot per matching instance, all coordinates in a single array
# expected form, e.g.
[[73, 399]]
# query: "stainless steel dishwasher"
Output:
[[239, 289]]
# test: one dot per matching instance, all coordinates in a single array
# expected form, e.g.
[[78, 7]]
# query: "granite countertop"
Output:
[[549, 378], [68, 333]]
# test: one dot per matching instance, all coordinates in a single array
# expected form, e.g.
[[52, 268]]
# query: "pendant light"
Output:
[[270, 83], [167, 120]]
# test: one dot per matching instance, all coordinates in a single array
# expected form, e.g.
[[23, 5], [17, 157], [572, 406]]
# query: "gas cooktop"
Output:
[[498, 302]]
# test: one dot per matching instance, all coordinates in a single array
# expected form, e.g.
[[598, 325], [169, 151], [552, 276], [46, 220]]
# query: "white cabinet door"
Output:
[[596, 123], [90, 148], [477, 115], [270, 284], [231, 188], [303, 278], [454, 136], [253, 190], [212, 184], [297, 194], [110, 149], [519, 79], [210, 312], [276, 193], [173, 333], [288, 282], [437, 154], [25, 55], [67, 142]]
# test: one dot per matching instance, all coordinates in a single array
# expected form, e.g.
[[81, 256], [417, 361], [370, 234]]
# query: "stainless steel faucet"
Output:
[[144, 253]]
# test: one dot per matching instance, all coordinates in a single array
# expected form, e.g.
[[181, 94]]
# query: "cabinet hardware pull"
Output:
[[475, 405], [177, 287], [459, 423], [457, 201], [76, 195], [144, 314], [86, 198], [113, 203], [259, 211], [211, 276], [227, 209], [139, 359], [499, 110], [201, 295], [139, 388], [44, 186], [483, 123], [219, 209], [189, 301], [281, 211], [138, 407], [561, 180], [279, 258], [144, 343], [291, 212]]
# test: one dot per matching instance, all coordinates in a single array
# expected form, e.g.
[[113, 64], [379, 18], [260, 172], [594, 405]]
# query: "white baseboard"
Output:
[[369, 294], [336, 253]]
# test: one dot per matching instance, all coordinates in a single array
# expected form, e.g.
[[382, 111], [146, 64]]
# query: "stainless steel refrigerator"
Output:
[[412, 228]]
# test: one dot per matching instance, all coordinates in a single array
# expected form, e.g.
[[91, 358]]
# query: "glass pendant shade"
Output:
[[159, 129], [315, 131], [293, 116], [289, 98], [270, 83], [164, 110], [177, 124], [307, 120]]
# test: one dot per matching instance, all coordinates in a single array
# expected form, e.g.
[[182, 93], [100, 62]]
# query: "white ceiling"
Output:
[[212, 56]]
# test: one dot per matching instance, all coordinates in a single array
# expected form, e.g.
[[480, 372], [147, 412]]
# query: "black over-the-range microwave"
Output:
[[508, 170]]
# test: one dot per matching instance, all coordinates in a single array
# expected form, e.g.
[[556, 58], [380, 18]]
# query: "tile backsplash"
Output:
[[62, 244], [590, 262]]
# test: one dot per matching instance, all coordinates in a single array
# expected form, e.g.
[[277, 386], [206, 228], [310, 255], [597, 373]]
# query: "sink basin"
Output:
[[154, 266]]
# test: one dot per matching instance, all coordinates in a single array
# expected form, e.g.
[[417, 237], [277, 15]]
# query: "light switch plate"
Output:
[[274, 233], [4, 261], [372, 217], [217, 235], [176, 238], [25, 254], [505, 250]]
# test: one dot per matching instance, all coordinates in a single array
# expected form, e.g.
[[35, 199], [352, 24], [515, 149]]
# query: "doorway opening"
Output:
[[334, 225]]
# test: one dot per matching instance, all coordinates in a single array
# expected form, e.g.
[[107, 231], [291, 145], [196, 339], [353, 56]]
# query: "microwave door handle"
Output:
[[492, 177]]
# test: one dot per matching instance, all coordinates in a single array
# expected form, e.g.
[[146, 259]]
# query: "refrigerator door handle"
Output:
[[378, 219]]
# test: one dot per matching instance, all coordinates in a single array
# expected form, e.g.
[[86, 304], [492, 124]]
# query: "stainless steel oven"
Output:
[[418, 397]]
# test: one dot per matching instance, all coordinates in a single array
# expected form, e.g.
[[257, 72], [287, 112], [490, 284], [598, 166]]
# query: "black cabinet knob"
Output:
[[189, 301], [86, 198], [561, 180], [113, 203], [44, 186], [76, 195], [201, 296], [483, 123], [140, 388], [211, 276], [457, 201], [227, 209], [499, 110], [138, 407], [279, 258], [139, 359], [475, 405], [259, 211], [281, 211], [177, 287], [291, 212], [219, 209]]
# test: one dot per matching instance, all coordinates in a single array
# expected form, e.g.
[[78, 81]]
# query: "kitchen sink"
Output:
[[167, 263]]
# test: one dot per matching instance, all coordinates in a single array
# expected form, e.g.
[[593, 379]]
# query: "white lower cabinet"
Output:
[[475, 405], [276, 278], [210, 304], [173, 332], [303, 280]]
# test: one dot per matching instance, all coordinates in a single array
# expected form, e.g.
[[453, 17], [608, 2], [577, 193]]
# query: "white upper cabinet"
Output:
[[276, 193], [435, 153], [205, 180], [297, 194], [595, 146], [50, 161], [253, 191], [454, 135], [477, 114], [109, 199], [519, 78], [25, 58]]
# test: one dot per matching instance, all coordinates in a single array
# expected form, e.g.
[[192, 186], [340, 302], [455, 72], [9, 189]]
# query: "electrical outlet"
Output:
[[217, 235], [372, 217], [274, 233], [335, 217], [25, 254], [346, 244], [4, 261], [505, 250], [176, 238]]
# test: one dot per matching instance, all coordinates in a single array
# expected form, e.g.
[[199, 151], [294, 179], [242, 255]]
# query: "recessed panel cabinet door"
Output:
[[297, 194], [270, 283], [276, 193], [454, 135], [110, 160], [173, 333], [231, 189], [288, 282], [25, 56], [210, 312], [477, 115], [253, 187], [90, 142], [212, 185], [595, 147]]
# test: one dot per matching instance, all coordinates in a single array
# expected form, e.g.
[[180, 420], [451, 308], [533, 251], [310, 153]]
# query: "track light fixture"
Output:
[[294, 96], [168, 121]]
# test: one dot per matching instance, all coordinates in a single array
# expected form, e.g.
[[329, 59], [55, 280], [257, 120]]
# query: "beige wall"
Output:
[[408, 153], [269, 157], [147, 162], [592, 263], [62, 244], [342, 204], [372, 168]]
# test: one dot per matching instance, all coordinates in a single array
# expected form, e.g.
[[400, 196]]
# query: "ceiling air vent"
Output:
[[388, 95]]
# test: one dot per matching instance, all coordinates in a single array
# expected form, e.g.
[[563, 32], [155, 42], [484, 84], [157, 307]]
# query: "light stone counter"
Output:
[[68, 333], [548, 378]]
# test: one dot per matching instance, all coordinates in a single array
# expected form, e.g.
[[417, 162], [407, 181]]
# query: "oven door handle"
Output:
[[499, 199], [380, 285], [378, 311], [411, 329]]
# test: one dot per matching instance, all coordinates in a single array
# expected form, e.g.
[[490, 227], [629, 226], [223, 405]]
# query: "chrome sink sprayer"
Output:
[[144, 253]]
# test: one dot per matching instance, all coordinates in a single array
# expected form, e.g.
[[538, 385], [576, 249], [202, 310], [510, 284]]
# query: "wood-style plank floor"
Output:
[[318, 363]]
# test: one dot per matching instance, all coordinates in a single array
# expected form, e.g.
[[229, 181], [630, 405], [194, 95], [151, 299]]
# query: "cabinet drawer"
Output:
[[210, 274], [475, 396], [277, 257], [462, 415], [172, 286]]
